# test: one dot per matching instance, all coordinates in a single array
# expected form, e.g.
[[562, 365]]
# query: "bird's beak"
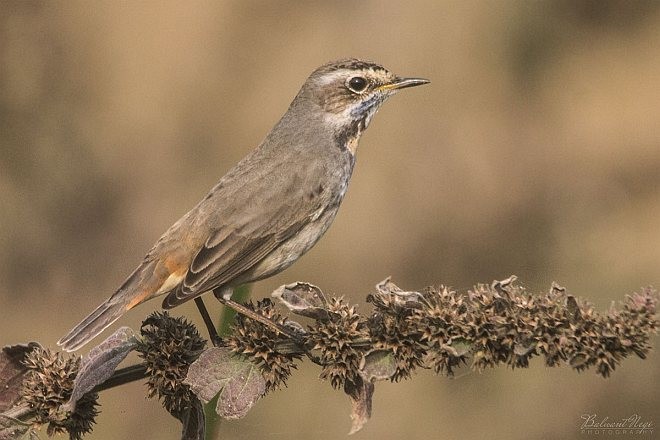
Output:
[[402, 83]]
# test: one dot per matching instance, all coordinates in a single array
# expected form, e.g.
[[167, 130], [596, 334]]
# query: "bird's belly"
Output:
[[292, 249]]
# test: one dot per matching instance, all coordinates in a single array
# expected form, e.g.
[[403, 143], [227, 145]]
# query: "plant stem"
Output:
[[213, 333], [123, 376]]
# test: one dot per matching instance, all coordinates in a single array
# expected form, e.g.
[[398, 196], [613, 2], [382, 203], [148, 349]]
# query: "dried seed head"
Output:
[[168, 346], [394, 327], [445, 324], [338, 340], [501, 323], [48, 385], [260, 344]]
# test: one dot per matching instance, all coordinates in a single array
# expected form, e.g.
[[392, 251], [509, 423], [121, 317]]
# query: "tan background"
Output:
[[535, 151]]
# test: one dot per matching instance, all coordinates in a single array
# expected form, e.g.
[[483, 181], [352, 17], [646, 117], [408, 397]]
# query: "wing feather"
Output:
[[244, 226], [227, 255]]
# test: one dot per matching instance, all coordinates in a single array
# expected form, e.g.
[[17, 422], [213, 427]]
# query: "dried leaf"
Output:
[[503, 286], [240, 394], [12, 372], [238, 381], [573, 308], [449, 349], [579, 360], [461, 347], [209, 373], [523, 349], [100, 363], [402, 298], [556, 288], [303, 299], [13, 429], [378, 365], [361, 394]]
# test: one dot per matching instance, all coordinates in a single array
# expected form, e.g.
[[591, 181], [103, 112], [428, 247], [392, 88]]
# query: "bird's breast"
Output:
[[293, 248]]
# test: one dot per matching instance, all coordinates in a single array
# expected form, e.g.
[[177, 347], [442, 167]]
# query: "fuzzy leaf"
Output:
[[100, 363], [12, 372], [209, 373], [378, 365], [238, 381], [303, 299], [361, 394], [241, 393], [401, 297]]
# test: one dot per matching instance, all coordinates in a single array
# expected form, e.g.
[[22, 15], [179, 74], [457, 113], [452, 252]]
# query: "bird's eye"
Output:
[[357, 84]]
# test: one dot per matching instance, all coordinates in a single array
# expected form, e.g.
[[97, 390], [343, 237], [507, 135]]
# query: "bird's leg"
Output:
[[224, 297], [213, 333]]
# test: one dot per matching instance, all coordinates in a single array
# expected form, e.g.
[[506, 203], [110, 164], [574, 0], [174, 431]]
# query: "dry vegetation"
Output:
[[534, 151]]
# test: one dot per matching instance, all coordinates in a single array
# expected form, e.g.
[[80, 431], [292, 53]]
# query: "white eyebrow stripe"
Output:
[[334, 76]]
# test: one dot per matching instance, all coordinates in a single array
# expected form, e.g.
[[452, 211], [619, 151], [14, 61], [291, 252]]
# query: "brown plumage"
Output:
[[269, 209]]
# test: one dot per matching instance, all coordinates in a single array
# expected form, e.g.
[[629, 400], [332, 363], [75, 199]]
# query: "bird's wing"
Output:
[[245, 237], [218, 264]]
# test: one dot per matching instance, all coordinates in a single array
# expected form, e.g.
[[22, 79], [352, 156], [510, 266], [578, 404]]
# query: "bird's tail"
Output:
[[139, 287], [90, 327]]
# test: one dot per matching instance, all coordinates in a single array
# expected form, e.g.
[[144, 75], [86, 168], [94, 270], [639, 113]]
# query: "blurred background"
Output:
[[535, 151]]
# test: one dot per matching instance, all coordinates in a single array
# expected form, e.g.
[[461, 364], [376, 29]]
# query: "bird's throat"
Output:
[[349, 137], [352, 144]]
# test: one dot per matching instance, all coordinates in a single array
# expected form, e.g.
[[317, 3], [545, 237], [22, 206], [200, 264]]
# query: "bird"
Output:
[[270, 208]]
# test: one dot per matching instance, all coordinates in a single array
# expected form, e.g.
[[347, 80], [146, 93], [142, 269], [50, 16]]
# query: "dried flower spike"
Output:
[[260, 344], [48, 385], [168, 346], [342, 341]]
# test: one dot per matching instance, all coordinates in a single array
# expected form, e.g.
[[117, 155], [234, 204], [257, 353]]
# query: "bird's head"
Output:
[[350, 91]]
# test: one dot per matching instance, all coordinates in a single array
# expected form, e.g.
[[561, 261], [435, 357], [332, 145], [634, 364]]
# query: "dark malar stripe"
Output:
[[349, 133]]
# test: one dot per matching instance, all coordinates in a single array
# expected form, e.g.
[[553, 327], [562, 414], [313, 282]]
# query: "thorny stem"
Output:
[[639, 308], [137, 372], [295, 344]]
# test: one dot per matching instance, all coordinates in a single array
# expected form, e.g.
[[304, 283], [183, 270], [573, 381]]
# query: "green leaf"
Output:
[[238, 381]]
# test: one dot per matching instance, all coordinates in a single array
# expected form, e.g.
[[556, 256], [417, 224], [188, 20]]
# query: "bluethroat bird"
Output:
[[270, 208]]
